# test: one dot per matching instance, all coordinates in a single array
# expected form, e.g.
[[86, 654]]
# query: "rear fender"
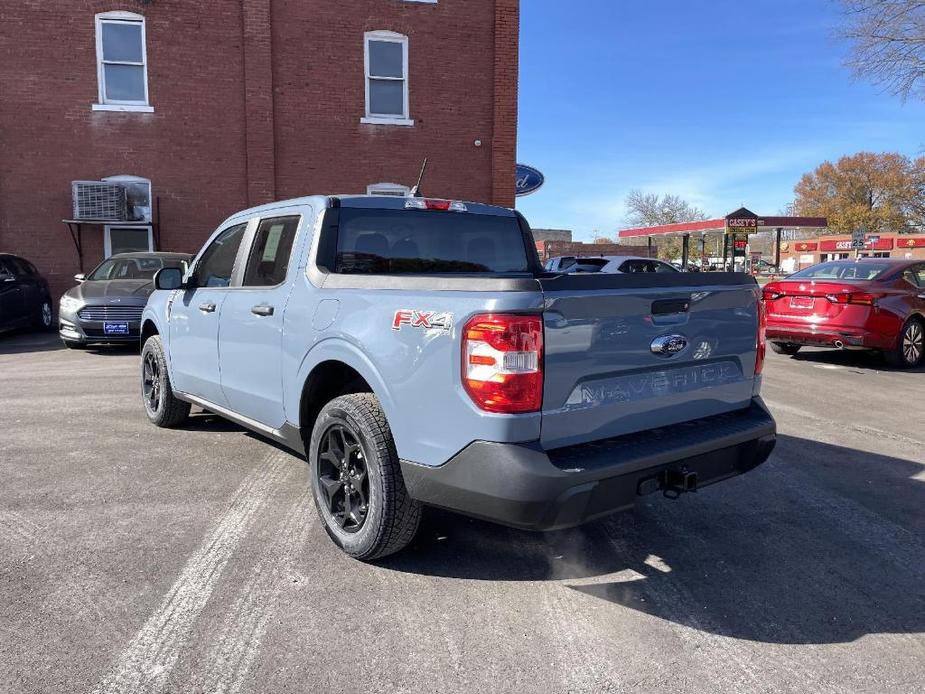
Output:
[[336, 349]]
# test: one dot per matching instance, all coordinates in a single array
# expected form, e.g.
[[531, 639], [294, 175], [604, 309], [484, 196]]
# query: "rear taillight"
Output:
[[502, 362], [862, 298], [771, 294], [761, 344]]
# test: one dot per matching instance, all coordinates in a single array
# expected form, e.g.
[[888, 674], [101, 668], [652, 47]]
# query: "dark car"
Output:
[[875, 303], [25, 300], [106, 305]]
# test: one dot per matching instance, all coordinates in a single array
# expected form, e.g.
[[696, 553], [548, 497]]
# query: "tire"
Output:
[[356, 479], [161, 406], [73, 344], [910, 346], [784, 348], [43, 319]]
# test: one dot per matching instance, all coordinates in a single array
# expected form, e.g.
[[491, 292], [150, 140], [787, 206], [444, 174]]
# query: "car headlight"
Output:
[[69, 304]]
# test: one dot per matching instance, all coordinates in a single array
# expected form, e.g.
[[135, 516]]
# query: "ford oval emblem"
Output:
[[667, 345], [527, 180]]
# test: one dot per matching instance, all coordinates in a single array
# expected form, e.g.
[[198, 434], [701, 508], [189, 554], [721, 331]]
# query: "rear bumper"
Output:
[[827, 336], [523, 486]]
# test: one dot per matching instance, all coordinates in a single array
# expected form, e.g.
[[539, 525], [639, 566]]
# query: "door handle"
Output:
[[262, 310], [922, 295], [207, 307]]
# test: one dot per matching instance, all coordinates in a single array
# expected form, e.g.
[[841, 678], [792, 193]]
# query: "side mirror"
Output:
[[80, 277], [168, 278]]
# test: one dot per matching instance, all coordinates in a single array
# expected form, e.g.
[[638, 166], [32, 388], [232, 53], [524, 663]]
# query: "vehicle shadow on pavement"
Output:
[[203, 421], [23, 342], [857, 359], [209, 422], [822, 544], [113, 350]]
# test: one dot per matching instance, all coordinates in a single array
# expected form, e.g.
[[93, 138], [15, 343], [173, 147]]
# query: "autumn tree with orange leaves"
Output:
[[876, 192]]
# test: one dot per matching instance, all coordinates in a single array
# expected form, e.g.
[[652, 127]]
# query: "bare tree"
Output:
[[650, 209], [888, 43]]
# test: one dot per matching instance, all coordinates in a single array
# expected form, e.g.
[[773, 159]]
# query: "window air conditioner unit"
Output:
[[98, 200]]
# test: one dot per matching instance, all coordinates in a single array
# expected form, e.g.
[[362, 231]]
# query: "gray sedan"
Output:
[[106, 304]]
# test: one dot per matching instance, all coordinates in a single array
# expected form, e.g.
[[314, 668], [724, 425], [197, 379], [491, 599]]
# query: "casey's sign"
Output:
[[742, 223]]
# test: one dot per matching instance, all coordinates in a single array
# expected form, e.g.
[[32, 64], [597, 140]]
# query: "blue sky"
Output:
[[722, 102]]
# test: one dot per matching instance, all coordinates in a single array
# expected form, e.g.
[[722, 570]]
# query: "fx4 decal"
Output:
[[425, 320]]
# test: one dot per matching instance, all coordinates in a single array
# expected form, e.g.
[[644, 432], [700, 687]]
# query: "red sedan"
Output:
[[870, 303]]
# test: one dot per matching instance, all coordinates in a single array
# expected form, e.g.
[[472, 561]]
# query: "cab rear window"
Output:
[[382, 241]]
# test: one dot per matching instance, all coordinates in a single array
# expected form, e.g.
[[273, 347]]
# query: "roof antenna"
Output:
[[416, 191]]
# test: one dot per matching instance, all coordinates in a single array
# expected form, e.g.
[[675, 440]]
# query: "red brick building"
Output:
[[216, 106]]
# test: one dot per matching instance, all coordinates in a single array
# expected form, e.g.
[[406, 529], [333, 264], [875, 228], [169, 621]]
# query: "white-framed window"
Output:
[[121, 62], [386, 61], [137, 196], [396, 189], [126, 239]]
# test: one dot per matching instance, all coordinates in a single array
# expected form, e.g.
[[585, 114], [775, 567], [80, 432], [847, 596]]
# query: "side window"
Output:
[[663, 267], [269, 256], [217, 263], [916, 275], [636, 266]]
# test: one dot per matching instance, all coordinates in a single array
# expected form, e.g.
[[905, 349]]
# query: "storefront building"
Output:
[[142, 124], [803, 253]]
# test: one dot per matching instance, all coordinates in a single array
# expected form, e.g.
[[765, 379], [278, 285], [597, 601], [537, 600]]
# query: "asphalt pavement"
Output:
[[134, 559]]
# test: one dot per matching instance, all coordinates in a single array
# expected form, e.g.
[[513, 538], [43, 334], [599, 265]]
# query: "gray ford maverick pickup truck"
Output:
[[415, 351]]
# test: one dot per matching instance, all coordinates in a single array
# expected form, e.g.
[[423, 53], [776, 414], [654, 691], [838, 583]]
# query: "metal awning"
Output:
[[75, 227]]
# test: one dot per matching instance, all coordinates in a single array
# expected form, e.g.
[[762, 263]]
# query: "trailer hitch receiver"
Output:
[[675, 482]]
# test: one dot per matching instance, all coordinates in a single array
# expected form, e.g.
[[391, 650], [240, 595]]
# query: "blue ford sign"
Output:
[[528, 179]]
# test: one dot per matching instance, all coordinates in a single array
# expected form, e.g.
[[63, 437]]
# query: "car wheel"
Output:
[[162, 407], [910, 346], [43, 319], [73, 344], [356, 479], [784, 348]]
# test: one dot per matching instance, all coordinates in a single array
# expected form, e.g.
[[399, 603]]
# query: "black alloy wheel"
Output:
[[162, 407], [151, 382], [343, 477]]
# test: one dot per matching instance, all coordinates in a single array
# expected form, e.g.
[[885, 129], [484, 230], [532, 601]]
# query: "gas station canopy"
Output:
[[741, 221]]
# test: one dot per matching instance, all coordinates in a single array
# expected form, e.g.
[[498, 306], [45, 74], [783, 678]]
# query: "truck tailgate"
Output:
[[603, 373]]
